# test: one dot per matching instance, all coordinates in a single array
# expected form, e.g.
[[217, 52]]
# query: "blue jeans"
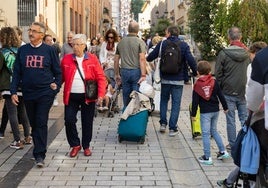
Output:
[[76, 101], [239, 104], [38, 112], [175, 91], [130, 78], [209, 127]]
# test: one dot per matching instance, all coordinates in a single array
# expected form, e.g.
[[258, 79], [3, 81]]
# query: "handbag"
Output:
[[91, 86], [157, 77]]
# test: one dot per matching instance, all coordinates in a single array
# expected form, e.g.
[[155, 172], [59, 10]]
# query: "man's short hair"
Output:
[[234, 33], [133, 27], [41, 25], [173, 30]]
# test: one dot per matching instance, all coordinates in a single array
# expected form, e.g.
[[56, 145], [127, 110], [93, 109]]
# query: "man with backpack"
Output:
[[173, 54]]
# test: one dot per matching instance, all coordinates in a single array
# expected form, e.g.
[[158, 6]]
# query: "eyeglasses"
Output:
[[34, 31], [77, 44], [109, 37]]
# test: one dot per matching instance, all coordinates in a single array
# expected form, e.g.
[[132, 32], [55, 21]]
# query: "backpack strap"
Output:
[[160, 50]]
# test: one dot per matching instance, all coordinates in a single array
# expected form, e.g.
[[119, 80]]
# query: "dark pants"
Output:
[[38, 111], [4, 120], [13, 113], [76, 102]]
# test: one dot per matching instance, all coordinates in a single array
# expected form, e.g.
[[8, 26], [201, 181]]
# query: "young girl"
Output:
[[109, 93], [207, 94]]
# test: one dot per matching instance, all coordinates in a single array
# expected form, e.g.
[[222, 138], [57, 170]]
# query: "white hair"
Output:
[[82, 38]]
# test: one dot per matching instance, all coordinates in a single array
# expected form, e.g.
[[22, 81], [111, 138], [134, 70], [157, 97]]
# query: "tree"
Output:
[[161, 26], [253, 22], [249, 15], [201, 22], [136, 6]]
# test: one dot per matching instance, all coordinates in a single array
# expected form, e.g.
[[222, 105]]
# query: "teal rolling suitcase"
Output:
[[133, 128]]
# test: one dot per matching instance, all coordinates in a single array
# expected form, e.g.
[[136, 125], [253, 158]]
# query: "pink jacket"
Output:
[[92, 71]]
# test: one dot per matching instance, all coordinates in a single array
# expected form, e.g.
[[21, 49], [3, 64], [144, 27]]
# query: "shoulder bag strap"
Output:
[[76, 64]]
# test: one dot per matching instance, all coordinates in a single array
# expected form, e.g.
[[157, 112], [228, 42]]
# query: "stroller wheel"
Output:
[[111, 114]]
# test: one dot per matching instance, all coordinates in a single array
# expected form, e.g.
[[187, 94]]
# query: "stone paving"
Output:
[[162, 161]]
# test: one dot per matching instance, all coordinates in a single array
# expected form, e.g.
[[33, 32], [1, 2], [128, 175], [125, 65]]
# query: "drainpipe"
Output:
[[64, 9]]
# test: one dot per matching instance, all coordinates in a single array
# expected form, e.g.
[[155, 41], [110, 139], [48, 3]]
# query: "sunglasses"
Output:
[[110, 37]]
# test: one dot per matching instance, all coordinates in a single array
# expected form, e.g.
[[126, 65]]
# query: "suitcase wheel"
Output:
[[142, 140], [119, 139], [196, 134]]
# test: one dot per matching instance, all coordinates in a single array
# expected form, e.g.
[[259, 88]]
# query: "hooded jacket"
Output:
[[207, 104], [231, 70]]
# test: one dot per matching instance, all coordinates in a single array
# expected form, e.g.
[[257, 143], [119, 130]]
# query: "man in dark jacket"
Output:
[[231, 74], [172, 84]]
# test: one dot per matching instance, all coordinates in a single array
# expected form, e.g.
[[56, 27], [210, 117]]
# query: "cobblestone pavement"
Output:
[[162, 161]]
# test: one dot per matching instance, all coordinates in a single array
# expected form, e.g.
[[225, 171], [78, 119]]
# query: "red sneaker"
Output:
[[75, 151], [87, 152]]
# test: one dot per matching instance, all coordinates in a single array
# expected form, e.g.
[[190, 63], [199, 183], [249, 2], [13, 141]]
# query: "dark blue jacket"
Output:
[[186, 56]]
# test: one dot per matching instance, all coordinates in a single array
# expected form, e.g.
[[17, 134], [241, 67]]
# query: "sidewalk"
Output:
[[162, 161]]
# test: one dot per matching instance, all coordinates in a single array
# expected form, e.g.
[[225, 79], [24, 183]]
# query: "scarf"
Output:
[[110, 46], [204, 86], [238, 43]]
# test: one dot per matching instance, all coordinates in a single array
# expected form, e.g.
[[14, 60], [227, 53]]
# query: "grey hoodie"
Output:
[[231, 70]]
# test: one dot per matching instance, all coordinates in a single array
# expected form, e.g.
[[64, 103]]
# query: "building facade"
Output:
[[60, 16]]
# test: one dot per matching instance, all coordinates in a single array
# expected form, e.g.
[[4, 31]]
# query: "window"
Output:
[[26, 12]]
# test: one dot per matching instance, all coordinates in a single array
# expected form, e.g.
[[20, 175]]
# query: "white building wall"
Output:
[[116, 14], [8, 13]]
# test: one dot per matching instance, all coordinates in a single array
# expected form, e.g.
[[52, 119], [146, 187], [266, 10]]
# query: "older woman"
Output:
[[74, 93]]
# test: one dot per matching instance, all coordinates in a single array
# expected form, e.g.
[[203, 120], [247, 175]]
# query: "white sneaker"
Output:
[[173, 133], [105, 108], [162, 128], [100, 108], [223, 155], [204, 160]]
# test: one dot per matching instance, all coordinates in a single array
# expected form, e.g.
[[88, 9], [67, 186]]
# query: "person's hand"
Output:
[[118, 80], [225, 111], [53, 86], [15, 99], [143, 78], [193, 118]]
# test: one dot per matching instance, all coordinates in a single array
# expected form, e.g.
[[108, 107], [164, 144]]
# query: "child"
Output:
[[206, 94], [109, 93]]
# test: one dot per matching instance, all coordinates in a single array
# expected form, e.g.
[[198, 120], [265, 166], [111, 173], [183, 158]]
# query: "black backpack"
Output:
[[171, 59]]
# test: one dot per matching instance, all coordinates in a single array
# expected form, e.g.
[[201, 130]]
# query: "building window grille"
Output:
[[26, 12]]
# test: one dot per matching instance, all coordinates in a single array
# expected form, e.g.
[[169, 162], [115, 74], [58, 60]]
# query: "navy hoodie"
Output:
[[35, 69]]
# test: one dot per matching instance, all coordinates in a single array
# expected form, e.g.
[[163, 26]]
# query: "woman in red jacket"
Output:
[[74, 93]]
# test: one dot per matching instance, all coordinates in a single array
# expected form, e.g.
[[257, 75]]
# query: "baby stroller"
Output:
[[113, 106], [261, 178]]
